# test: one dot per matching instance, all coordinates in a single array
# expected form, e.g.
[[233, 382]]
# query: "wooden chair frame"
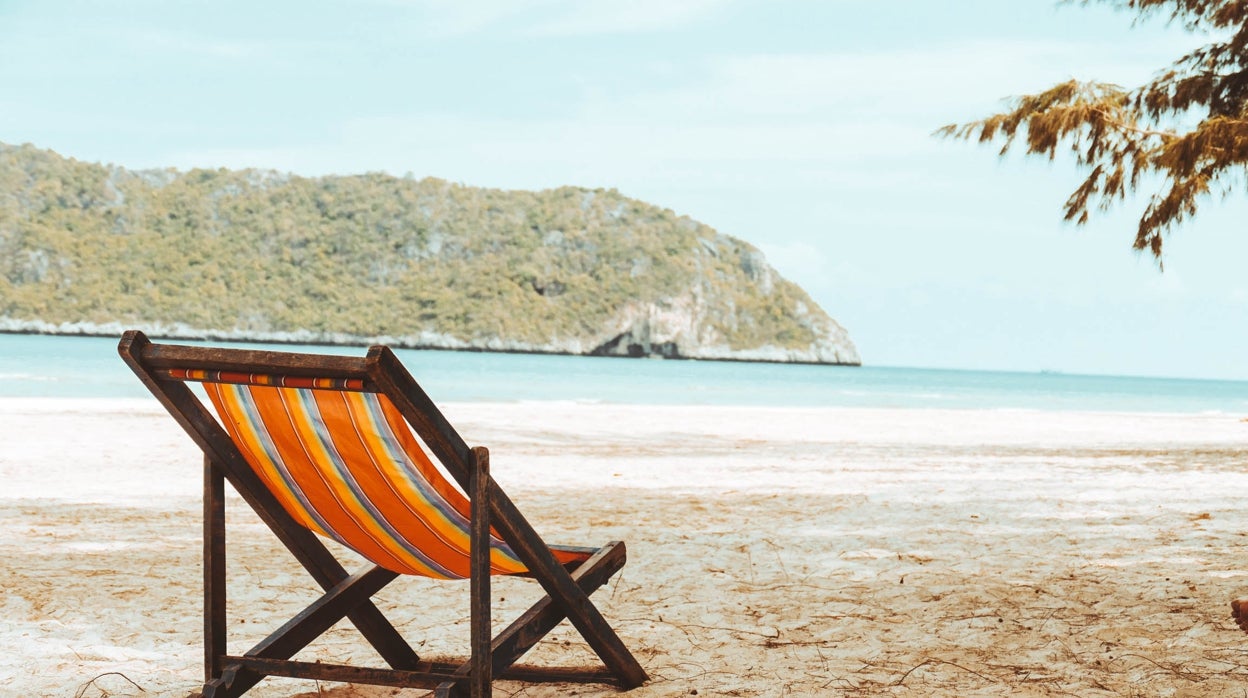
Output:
[[349, 595]]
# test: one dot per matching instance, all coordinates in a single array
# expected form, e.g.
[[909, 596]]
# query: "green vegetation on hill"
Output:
[[258, 253]]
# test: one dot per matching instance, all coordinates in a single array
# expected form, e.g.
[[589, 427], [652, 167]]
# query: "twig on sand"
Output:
[[1192, 676], [685, 628], [1209, 656], [82, 690], [775, 642], [775, 548], [615, 586], [658, 676], [929, 660], [749, 560]]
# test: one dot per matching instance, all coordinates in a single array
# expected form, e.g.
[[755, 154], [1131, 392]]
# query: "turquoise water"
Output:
[[39, 365]]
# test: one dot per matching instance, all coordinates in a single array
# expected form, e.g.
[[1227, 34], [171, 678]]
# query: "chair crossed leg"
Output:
[[350, 597]]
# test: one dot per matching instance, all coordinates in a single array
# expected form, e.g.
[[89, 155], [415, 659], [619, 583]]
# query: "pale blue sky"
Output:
[[802, 126]]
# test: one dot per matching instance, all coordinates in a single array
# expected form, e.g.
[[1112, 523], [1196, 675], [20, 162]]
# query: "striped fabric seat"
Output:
[[346, 465]]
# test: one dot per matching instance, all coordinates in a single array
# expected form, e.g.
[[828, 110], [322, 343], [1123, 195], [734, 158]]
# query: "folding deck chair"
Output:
[[325, 445]]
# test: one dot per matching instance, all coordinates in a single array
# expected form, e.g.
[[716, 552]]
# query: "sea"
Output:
[[89, 367]]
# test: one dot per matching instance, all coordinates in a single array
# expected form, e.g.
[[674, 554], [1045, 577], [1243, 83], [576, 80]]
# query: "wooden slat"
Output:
[[427, 675], [402, 678], [214, 570], [232, 682], [481, 674], [165, 356], [321, 615]]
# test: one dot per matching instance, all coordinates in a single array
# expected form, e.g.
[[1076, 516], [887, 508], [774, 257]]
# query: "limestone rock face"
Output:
[[373, 258], [685, 327], [722, 321]]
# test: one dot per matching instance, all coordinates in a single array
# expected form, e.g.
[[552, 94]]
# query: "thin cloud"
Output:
[[172, 42], [818, 116], [585, 18], [560, 18]]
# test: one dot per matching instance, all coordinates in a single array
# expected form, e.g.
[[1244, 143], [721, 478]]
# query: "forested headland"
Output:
[[252, 254]]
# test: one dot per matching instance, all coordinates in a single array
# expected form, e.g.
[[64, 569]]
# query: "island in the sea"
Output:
[[260, 255]]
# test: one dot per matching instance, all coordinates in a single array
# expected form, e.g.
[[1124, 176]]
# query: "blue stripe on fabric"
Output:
[[244, 400], [412, 475], [359, 496]]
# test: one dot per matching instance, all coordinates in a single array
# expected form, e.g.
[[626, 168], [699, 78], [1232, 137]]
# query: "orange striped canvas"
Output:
[[347, 466]]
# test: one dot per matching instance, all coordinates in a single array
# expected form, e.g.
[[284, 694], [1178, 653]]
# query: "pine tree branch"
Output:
[[1130, 128]]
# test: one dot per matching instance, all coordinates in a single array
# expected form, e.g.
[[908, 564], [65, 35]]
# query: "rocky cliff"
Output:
[[419, 263]]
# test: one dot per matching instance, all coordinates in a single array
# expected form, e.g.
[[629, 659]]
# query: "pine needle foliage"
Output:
[[1187, 127]]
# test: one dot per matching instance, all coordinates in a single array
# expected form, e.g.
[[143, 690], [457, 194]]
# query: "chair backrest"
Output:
[[344, 464], [325, 438]]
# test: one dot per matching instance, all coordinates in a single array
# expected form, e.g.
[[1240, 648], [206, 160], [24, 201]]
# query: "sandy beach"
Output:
[[773, 552]]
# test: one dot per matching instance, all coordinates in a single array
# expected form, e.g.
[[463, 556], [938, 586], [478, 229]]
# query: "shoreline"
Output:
[[551, 408], [426, 341]]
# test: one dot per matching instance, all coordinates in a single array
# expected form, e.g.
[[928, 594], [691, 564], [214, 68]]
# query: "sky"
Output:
[[804, 127]]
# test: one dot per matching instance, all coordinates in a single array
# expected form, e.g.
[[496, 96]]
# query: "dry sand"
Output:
[[773, 552]]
